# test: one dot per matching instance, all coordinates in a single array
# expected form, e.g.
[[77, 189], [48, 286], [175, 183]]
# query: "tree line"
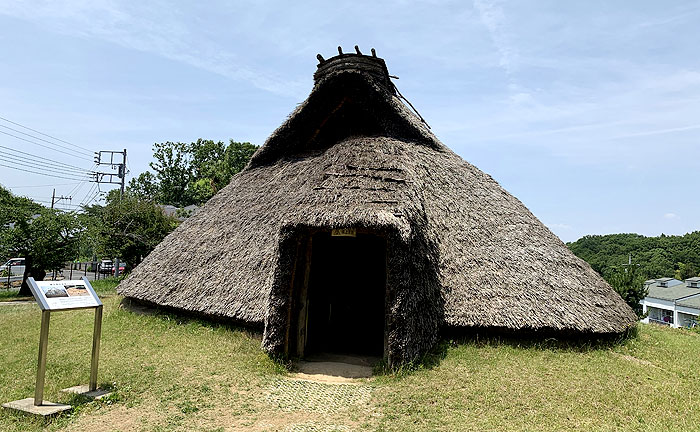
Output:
[[128, 226], [662, 256], [651, 258]]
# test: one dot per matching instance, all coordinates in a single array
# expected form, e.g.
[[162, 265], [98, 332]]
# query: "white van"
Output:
[[14, 265]]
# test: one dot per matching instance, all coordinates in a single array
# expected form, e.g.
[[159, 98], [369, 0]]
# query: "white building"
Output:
[[672, 302]]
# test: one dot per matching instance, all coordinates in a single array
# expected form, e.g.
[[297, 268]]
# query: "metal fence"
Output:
[[70, 270]]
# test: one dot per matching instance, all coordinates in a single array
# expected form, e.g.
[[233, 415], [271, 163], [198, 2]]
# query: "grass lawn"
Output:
[[179, 374]]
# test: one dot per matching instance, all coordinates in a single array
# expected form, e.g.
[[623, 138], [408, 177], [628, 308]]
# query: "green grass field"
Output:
[[178, 374]]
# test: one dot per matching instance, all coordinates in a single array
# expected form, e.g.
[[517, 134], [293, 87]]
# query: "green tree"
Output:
[[46, 238], [173, 171], [684, 271], [236, 158], [132, 227], [190, 173], [629, 283], [89, 242], [145, 186]]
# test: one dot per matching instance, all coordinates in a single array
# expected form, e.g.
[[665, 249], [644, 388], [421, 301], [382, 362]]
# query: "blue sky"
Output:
[[588, 112]]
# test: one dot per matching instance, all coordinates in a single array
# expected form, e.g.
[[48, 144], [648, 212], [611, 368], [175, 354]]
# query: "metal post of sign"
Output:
[[95, 348], [41, 367]]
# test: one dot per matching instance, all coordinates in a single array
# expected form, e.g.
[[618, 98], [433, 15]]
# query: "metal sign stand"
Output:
[[37, 404], [91, 389]]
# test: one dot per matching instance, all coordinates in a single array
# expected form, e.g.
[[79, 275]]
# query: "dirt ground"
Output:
[[322, 395]]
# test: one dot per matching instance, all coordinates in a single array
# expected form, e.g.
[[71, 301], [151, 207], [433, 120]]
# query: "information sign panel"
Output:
[[56, 296], [64, 294]]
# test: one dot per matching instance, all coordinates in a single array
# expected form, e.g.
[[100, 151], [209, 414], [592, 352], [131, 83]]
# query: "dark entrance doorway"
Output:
[[346, 295]]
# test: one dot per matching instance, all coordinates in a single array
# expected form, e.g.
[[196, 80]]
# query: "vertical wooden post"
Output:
[[303, 318]]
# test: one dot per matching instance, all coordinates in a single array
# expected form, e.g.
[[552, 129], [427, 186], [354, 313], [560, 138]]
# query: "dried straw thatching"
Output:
[[461, 251]]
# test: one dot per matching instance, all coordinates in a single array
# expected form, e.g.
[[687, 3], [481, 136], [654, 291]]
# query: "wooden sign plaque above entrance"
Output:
[[344, 232]]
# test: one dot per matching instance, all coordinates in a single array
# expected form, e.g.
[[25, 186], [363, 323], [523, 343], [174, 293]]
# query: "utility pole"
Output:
[[55, 200], [122, 174], [106, 157], [629, 263]]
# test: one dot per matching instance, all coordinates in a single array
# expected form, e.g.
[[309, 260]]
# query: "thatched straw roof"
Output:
[[464, 252]]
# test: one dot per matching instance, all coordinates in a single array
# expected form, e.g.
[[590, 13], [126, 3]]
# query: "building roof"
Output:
[[672, 293], [693, 279], [669, 282], [353, 155], [691, 302], [168, 210]]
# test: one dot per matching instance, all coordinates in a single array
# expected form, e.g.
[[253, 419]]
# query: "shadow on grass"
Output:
[[12, 295], [544, 341], [171, 316], [549, 340]]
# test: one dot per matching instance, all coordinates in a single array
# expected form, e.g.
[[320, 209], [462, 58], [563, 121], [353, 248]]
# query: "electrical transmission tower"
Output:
[[107, 157]]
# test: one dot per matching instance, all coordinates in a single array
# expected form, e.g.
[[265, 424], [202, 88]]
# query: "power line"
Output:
[[40, 173], [38, 138], [85, 202], [87, 199], [77, 188], [89, 192], [77, 176], [49, 202], [80, 185], [51, 168], [92, 199], [39, 157], [46, 135], [47, 165], [75, 153], [45, 185]]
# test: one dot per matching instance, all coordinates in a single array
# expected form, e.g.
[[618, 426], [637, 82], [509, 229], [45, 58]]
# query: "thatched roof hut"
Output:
[[354, 229]]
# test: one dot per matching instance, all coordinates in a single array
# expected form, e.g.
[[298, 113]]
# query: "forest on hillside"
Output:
[[662, 256]]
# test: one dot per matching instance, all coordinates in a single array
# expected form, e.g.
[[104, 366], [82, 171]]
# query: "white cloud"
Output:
[[156, 28], [671, 216], [494, 19], [658, 131]]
